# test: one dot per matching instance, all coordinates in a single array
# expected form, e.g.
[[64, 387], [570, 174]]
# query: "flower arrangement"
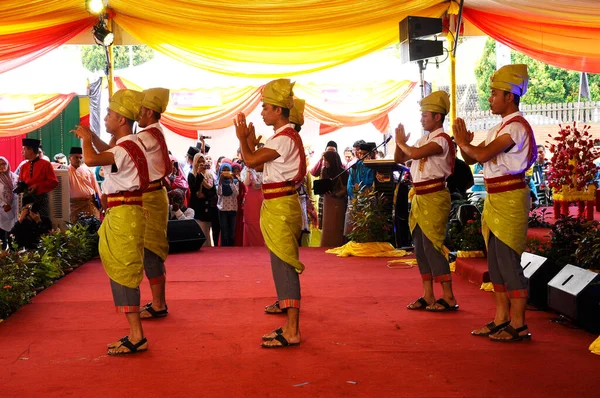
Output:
[[468, 236], [572, 169]]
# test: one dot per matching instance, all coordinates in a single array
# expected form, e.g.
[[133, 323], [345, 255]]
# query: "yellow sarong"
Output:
[[431, 212], [155, 238], [121, 244], [281, 224], [506, 214]]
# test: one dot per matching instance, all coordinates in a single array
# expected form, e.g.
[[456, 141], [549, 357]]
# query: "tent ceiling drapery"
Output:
[[270, 38], [331, 105], [45, 108]]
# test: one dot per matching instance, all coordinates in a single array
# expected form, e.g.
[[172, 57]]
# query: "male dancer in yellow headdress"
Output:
[[121, 244], [507, 152], [433, 161], [156, 246], [284, 167], [296, 119]]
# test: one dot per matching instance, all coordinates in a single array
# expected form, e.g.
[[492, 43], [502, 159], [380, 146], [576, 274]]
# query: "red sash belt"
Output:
[[278, 189], [505, 183], [125, 198], [154, 186], [429, 186]]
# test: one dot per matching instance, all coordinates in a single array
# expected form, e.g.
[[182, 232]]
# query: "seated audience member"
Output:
[[177, 210], [60, 161], [41, 153], [31, 225], [348, 155]]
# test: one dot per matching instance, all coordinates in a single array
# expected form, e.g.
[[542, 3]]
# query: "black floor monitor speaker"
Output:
[[539, 271], [184, 236], [575, 292]]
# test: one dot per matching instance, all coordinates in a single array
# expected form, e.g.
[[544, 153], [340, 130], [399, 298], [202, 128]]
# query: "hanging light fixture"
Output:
[[102, 35], [95, 6]]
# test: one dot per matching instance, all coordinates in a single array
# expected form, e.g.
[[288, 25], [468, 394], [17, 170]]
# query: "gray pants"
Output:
[[154, 267], [127, 299], [432, 264], [505, 269], [287, 283]]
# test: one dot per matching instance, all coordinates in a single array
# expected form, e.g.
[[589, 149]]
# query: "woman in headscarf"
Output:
[[334, 202], [99, 175], [202, 192], [177, 178], [238, 238], [8, 200]]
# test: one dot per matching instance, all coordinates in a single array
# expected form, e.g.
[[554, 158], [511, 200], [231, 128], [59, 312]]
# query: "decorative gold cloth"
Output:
[[506, 214], [431, 212], [121, 244], [155, 237], [281, 224]]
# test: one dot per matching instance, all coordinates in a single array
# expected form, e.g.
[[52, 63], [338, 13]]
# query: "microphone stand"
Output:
[[354, 165]]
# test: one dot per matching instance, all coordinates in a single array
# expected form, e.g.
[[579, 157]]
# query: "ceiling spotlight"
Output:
[[103, 36], [95, 6]]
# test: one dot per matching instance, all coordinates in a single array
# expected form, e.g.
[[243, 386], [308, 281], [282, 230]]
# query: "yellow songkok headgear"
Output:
[[297, 112], [438, 102], [126, 103], [511, 78], [156, 99], [279, 93]]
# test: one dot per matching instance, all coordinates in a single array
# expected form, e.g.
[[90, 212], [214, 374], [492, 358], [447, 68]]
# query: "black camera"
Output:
[[21, 187]]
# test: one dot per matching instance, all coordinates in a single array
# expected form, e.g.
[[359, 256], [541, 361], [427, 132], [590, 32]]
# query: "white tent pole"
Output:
[[579, 97]]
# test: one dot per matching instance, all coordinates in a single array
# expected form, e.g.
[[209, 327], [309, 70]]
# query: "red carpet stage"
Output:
[[358, 338]]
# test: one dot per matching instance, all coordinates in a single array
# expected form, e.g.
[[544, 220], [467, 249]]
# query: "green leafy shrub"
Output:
[[371, 217], [23, 272]]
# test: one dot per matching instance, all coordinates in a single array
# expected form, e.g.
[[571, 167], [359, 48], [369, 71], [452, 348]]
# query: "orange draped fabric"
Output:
[[568, 45], [186, 121], [46, 108], [331, 121], [17, 49], [380, 124]]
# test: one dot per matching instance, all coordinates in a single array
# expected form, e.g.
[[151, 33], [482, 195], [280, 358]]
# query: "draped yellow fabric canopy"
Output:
[[273, 38], [355, 106]]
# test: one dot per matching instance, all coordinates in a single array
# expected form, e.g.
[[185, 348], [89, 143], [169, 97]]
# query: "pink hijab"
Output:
[[180, 181]]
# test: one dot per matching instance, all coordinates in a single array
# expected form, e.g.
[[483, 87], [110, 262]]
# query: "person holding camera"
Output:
[[228, 190], [36, 177], [30, 226]]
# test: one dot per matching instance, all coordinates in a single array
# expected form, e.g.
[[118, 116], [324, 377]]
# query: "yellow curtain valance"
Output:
[[337, 106]]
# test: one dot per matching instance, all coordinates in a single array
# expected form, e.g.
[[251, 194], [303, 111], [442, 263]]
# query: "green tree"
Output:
[[547, 84], [94, 58]]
